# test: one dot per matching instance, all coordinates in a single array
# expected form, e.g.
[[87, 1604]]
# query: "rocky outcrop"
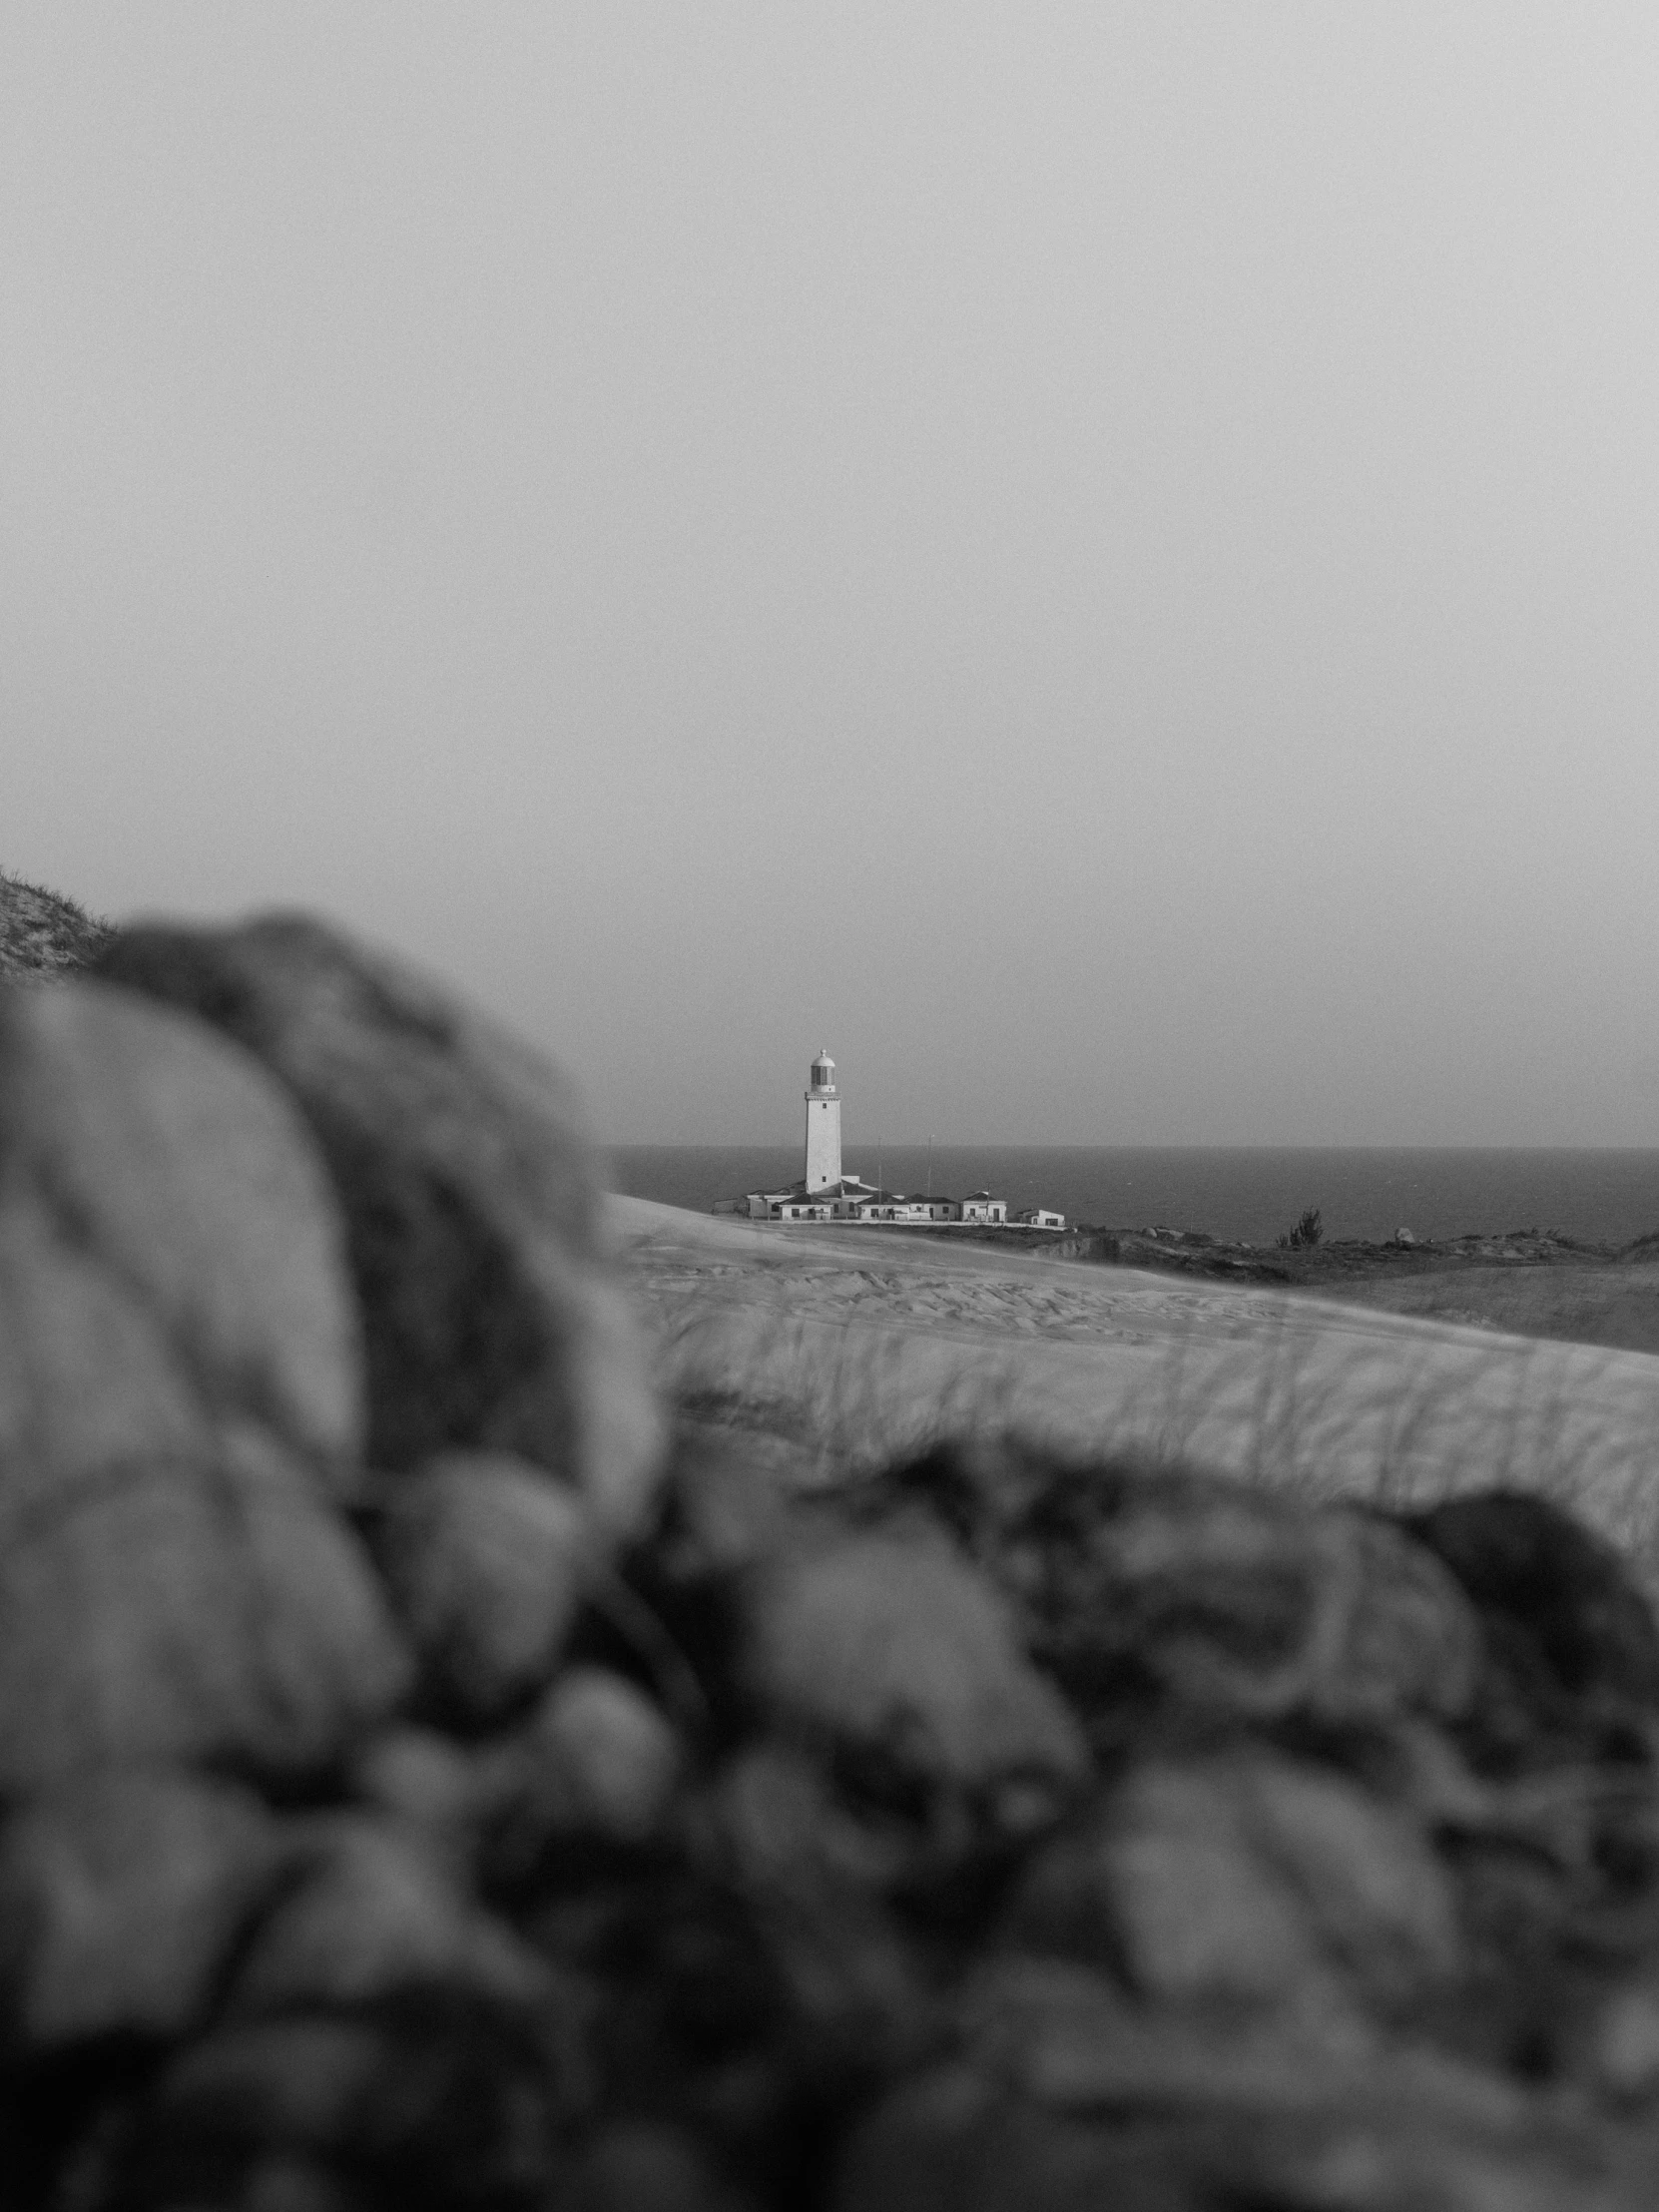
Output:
[[433, 1772]]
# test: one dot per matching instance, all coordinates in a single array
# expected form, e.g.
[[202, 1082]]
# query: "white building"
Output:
[[982, 1207], [894, 1205], [1039, 1217], [825, 1193], [843, 1199]]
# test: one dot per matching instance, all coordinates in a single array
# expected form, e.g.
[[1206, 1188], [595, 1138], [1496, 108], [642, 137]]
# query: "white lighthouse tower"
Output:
[[823, 1127]]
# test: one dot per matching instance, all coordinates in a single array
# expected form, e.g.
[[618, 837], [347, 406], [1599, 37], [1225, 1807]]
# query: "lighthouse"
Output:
[[823, 1127]]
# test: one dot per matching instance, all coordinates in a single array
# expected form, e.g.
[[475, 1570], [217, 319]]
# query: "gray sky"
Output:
[[1098, 560]]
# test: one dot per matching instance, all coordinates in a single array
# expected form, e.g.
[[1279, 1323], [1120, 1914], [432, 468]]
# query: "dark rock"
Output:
[[484, 1557], [1254, 1884], [594, 1768], [435, 2100], [1623, 2052], [367, 1914], [427, 1785], [897, 1648], [1142, 1590], [172, 1178], [695, 2024], [187, 1610], [817, 1882], [122, 1895], [1064, 2099], [725, 1502], [647, 2166], [1571, 1646], [956, 2143], [471, 1202], [1557, 1875], [680, 1597]]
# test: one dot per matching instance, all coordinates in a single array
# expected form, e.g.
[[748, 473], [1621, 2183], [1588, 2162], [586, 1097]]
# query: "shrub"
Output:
[[1307, 1232]]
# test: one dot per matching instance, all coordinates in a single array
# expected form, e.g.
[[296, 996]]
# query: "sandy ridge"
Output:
[[853, 1350]]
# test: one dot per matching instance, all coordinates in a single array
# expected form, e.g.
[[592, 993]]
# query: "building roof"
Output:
[[849, 1187]]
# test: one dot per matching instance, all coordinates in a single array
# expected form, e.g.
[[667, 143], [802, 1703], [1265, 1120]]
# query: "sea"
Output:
[[1244, 1193]]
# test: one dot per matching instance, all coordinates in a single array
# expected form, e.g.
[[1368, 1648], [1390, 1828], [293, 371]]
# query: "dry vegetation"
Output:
[[43, 934], [1615, 1304], [1525, 1281]]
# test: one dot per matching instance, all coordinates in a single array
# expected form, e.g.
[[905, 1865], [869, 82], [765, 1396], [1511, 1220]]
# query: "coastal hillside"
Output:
[[43, 934]]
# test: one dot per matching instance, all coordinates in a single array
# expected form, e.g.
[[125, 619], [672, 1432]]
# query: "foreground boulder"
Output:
[[122, 1895], [181, 1407], [485, 1559], [469, 1195], [188, 1610], [171, 1256], [413, 1792]]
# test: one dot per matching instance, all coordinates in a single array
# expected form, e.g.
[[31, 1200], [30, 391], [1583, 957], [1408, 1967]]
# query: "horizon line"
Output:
[[1000, 1144]]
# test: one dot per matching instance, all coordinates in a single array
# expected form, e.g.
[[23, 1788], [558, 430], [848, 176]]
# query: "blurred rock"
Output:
[[424, 1782], [1625, 2050], [645, 2166], [1571, 1642], [819, 1884], [122, 1895], [490, 1315], [435, 2100], [1254, 1884], [483, 1555], [725, 1503], [369, 1913], [959, 2142], [1141, 1587], [900, 1648], [188, 1610], [617, 1752], [1558, 1880], [174, 1178], [426, 1791], [595, 1765], [1063, 2098], [64, 1320]]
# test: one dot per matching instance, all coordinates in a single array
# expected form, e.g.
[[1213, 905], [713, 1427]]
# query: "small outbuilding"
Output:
[[982, 1207]]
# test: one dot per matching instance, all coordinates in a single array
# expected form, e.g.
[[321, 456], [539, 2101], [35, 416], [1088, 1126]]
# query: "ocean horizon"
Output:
[[1246, 1193]]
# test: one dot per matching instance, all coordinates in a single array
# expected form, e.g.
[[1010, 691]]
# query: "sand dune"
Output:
[[843, 1347]]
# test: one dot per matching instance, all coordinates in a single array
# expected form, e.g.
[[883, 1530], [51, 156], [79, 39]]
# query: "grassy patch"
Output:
[[43, 934]]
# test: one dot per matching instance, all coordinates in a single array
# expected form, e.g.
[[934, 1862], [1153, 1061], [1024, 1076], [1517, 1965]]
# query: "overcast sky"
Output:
[[1100, 561]]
